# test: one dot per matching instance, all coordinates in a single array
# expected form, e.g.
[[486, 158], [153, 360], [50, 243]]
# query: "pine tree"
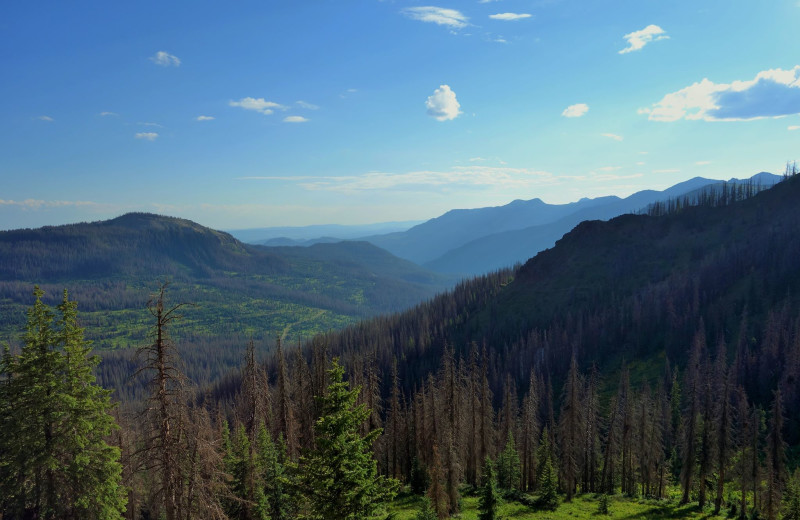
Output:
[[340, 477], [791, 498], [508, 466], [54, 460], [489, 499], [271, 455], [776, 457], [426, 511], [436, 490], [548, 478]]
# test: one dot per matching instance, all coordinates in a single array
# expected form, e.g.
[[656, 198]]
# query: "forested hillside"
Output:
[[112, 266], [652, 357]]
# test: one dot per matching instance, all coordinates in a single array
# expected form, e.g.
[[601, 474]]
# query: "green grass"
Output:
[[583, 506]]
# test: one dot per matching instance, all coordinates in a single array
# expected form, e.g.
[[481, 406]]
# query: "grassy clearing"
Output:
[[583, 506]]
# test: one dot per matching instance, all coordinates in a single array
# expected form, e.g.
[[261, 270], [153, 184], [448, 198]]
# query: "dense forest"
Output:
[[646, 354]]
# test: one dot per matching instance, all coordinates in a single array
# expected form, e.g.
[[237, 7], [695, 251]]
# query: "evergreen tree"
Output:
[[419, 480], [489, 494], [54, 460], [508, 466], [340, 477], [548, 477], [426, 511], [272, 459], [791, 498]]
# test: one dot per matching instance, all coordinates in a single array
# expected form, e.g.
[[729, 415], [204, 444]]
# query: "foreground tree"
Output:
[[54, 461], [340, 477], [489, 494]]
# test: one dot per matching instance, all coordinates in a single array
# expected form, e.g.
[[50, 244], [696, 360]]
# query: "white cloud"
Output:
[[638, 39], [147, 136], [702, 163], [509, 17], [204, 118], [613, 136], [640, 163], [308, 106], [45, 118], [575, 110], [437, 15], [157, 125], [772, 93], [108, 114], [165, 59], [486, 1], [793, 127], [442, 104], [609, 168], [257, 104], [672, 170], [469, 176], [476, 159], [295, 119]]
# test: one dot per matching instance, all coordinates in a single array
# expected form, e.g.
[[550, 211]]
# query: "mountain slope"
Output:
[[507, 248], [637, 289], [110, 267]]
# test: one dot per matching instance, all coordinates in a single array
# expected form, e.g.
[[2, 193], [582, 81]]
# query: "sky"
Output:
[[253, 114]]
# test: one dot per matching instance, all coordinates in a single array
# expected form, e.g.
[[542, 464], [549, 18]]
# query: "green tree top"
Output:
[[340, 477]]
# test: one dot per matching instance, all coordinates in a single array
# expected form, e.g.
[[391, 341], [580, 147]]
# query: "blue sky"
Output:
[[252, 114]]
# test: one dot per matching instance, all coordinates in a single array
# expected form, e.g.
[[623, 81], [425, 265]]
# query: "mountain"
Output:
[[504, 249], [636, 290], [307, 235], [111, 267]]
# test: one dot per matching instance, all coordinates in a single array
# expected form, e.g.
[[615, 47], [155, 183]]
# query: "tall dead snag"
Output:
[[175, 446], [165, 409]]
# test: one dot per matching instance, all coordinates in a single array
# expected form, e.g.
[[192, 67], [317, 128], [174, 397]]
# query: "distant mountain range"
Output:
[[110, 268], [477, 241], [309, 235]]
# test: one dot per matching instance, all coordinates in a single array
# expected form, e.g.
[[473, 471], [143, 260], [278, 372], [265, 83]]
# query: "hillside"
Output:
[[112, 266], [634, 288], [506, 248]]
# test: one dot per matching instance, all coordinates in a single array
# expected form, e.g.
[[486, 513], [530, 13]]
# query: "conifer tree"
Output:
[[508, 466], [489, 499], [436, 490], [54, 460], [272, 461], [776, 457], [791, 498], [569, 429], [340, 476], [548, 477]]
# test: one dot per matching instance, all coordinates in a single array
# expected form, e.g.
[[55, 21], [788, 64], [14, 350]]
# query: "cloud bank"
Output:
[[772, 93]]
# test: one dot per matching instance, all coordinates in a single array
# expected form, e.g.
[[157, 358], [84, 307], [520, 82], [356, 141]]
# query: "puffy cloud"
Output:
[[509, 17], [576, 110], [772, 93], [638, 39], [295, 119], [442, 104], [613, 136], [437, 15], [204, 118], [147, 136], [45, 118], [793, 127], [308, 106], [165, 59], [257, 105], [702, 163]]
